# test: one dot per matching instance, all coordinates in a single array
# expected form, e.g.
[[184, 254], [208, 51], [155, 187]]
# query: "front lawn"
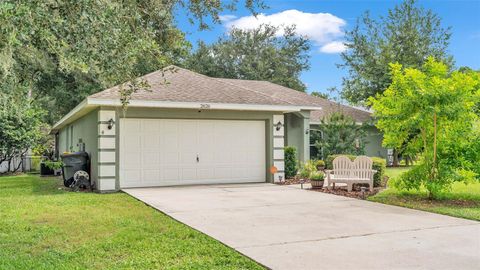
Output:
[[461, 201], [44, 227]]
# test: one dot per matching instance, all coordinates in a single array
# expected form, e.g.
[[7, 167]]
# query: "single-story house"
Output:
[[189, 128]]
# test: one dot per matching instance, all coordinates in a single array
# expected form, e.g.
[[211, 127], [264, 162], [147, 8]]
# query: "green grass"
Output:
[[463, 200], [44, 227]]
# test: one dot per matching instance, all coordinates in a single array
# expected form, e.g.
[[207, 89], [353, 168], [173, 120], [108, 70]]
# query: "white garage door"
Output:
[[164, 152]]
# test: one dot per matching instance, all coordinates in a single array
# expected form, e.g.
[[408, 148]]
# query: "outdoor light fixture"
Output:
[[307, 131], [278, 126], [110, 123]]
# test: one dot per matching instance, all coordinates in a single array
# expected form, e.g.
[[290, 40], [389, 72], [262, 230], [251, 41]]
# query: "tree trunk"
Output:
[[434, 138], [433, 173], [395, 158], [9, 162]]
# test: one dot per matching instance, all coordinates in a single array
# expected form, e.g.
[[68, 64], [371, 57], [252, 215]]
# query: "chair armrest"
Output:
[[328, 172], [374, 171]]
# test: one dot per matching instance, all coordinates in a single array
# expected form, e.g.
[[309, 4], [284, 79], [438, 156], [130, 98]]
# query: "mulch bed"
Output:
[[292, 181], [340, 191], [355, 193]]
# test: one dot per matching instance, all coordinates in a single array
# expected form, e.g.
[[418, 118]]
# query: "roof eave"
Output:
[[91, 103]]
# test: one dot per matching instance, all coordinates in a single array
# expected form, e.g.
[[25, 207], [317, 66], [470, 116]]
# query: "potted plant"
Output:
[[316, 179], [320, 165], [50, 167]]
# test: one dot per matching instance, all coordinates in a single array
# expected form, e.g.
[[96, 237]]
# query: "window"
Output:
[[315, 135]]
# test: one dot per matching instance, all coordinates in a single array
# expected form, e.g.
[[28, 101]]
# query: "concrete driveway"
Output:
[[284, 227]]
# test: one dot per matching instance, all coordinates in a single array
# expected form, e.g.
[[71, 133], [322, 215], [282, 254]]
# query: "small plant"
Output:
[[53, 165], [316, 179], [291, 165], [307, 169], [304, 173], [320, 164], [317, 176]]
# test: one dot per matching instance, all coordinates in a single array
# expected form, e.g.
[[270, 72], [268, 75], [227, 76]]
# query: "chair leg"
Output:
[[349, 187], [371, 186]]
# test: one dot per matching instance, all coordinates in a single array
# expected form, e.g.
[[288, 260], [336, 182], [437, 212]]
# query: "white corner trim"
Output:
[[106, 184], [106, 170]]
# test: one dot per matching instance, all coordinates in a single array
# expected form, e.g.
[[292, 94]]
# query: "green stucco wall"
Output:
[[296, 126], [373, 147], [159, 113], [84, 129]]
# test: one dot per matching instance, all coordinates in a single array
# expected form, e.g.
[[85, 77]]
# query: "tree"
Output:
[[320, 94], [432, 113], [20, 128], [257, 54], [407, 35], [339, 134], [65, 50]]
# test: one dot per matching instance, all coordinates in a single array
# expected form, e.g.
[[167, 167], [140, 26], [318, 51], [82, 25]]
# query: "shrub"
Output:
[[317, 176], [304, 173], [320, 163], [291, 165], [379, 164], [308, 168]]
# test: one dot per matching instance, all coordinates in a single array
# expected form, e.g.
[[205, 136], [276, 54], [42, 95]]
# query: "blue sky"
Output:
[[463, 16]]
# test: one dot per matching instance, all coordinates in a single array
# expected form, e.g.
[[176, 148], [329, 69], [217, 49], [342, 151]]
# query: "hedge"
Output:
[[379, 164], [291, 165]]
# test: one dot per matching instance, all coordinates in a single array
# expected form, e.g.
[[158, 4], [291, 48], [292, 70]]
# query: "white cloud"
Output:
[[321, 28], [227, 17], [333, 47]]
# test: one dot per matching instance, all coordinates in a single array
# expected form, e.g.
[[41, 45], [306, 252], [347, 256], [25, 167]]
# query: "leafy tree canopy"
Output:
[[339, 134], [432, 113], [407, 35], [20, 127], [258, 54], [64, 50]]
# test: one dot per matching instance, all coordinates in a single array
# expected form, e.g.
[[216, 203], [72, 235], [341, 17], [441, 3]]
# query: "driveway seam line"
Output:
[[354, 236]]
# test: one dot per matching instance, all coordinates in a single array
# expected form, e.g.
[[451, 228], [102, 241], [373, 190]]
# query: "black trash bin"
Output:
[[72, 163]]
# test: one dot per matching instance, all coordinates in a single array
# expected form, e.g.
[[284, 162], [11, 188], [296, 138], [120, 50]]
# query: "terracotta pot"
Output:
[[317, 183]]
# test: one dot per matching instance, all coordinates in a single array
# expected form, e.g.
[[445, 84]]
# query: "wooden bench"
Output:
[[350, 172]]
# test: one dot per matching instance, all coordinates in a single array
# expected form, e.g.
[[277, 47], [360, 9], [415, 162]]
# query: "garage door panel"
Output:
[[156, 152], [188, 158], [170, 158], [150, 177], [223, 173], [205, 173], [170, 174], [134, 161], [188, 174], [150, 159], [131, 178]]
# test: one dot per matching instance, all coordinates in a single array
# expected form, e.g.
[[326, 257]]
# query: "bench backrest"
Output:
[[342, 166], [361, 167]]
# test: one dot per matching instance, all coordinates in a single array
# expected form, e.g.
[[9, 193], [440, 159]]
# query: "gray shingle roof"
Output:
[[182, 85], [285, 93]]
